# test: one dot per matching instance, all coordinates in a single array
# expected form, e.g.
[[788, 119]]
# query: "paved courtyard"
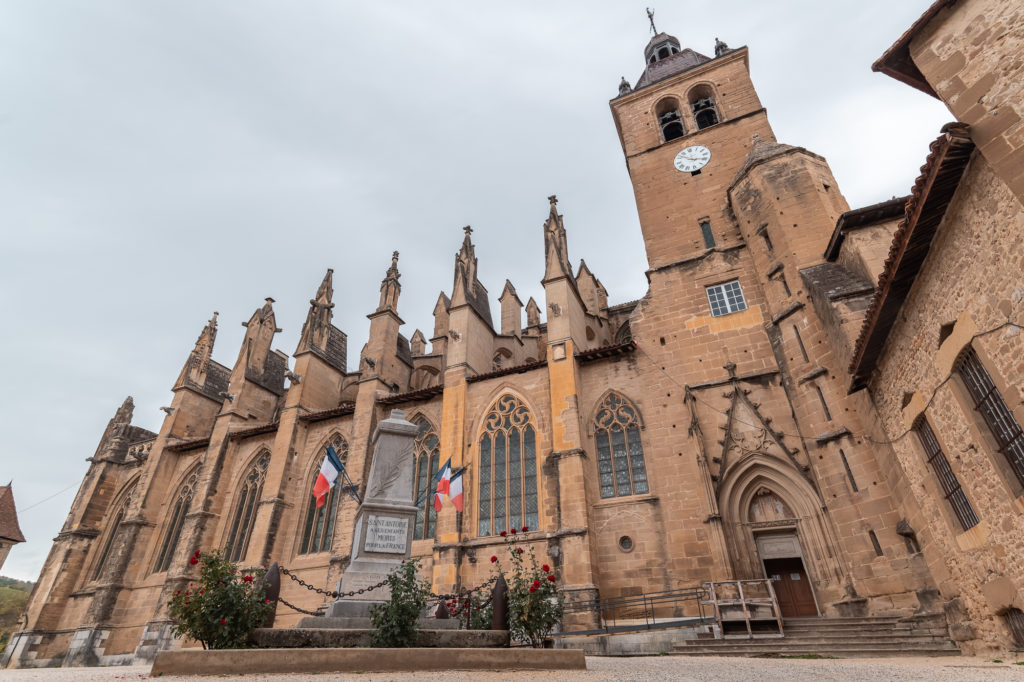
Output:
[[709, 669]]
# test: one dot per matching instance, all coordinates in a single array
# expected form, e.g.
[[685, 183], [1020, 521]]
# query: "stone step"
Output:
[[836, 652], [783, 646], [322, 638], [823, 641]]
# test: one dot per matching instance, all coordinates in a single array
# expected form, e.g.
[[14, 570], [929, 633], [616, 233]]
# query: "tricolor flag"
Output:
[[455, 491], [442, 485], [329, 471]]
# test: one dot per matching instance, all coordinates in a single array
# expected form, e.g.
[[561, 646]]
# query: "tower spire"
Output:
[[389, 287], [556, 248], [199, 359], [318, 321]]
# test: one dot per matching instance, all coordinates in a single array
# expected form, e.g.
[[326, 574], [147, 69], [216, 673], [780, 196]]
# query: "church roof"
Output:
[[761, 151], [9, 529], [932, 193], [684, 60], [896, 61]]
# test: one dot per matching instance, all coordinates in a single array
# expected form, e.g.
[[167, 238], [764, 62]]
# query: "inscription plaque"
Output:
[[386, 534]]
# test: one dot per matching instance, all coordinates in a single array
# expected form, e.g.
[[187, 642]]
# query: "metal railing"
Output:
[[745, 607], [644, 611]]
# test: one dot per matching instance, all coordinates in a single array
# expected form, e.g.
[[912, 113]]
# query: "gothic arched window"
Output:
[[114, 526], [508, 468], [427, 458], [702, 103], [669, 119], [182, 501], [620, 454], [318, 528], [245, 510]]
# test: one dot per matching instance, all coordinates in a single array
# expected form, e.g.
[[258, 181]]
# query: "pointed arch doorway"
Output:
[[778, 546]]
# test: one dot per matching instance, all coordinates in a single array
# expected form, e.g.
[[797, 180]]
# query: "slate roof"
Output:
[[834, 282], [684, 60], [863, 217], [933, 191], [9, 529]]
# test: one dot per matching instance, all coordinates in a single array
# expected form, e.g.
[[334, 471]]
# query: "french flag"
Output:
[[329, 471], [442, 485], [455, 491]]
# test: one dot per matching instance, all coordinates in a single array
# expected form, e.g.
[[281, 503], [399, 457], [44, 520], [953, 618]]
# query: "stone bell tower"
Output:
[[686, 128]]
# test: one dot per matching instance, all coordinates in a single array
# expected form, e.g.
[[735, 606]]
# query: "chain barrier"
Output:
[[293, 607], [331, 593], [463, 606]]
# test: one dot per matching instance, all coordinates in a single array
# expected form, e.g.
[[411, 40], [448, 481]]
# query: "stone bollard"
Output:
[[499, 599], [272, 580]]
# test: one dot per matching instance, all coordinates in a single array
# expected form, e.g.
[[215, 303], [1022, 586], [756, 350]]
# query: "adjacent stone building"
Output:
[[10, 531], [794, 397]]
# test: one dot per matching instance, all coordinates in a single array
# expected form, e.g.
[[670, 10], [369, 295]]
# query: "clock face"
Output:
[[692, 158]]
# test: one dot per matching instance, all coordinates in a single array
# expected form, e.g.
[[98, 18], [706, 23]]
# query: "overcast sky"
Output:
[[162, 160]]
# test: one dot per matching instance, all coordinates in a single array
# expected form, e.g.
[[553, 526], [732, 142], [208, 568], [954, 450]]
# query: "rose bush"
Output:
[[394, 621], [534, 602], [224, 608]]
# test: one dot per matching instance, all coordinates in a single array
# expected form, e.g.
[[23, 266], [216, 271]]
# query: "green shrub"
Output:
[[394, 621], [224, 609], [534, 603]]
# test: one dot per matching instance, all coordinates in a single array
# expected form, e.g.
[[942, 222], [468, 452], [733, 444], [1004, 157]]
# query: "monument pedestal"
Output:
[[382, 538]]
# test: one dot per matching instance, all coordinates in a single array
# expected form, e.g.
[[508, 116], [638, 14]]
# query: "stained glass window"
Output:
[[182, 502], [318, 527], [245, 509], [508, 469], [427, 452], [620, 453]]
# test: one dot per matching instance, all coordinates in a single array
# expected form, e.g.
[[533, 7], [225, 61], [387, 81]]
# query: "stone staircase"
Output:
[[838, 637]]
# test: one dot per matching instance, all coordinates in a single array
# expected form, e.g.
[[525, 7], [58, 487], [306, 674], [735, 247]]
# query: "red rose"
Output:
[[267, 601], [532, 588], [223, 621], [202, 590], [197, 553], [177, 593], [536, 583], [493, 559], [526, 529], [503, 533], [513, 531], [551, 578], [247, 579], [193, 561], [545, 568]]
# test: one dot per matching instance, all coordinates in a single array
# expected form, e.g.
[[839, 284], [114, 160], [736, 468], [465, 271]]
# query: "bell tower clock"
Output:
[[686, 129]]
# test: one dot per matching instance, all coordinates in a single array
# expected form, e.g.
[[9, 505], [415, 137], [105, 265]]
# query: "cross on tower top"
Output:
[[468, 230], [650, 17]]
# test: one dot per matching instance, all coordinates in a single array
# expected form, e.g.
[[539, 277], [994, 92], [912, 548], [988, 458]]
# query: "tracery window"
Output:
[[427, 455], [182, 502], [318, 527], [948, 481], [620, 454], [993, 409], [245, 509], [115, 526], [508, 468]]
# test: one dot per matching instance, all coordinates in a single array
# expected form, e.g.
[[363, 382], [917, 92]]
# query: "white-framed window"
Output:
[[726, 298]]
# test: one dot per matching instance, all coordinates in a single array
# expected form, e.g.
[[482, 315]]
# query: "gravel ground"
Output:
[[703, 669]]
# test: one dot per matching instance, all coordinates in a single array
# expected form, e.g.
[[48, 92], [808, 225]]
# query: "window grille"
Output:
[[1014, 618], [108, 544], [427, 457], [994, 410], [620, 453], [318, 527], [508, 469], [948, 481], [726, 298], [182, 502], [245, 510]]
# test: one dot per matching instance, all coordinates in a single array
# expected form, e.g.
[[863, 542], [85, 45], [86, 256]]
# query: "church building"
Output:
[[823, 396]]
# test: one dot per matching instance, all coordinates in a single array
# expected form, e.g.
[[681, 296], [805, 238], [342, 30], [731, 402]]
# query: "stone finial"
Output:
[[389, 287], [624, 86], [556, 248], [317, 326], [532, 313], [720, 48]]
